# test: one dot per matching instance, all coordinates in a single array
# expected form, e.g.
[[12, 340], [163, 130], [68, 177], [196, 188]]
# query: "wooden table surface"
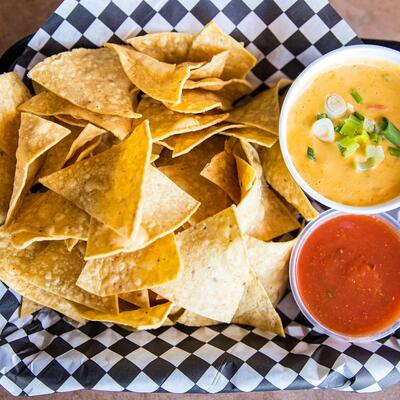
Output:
[[369, 18]]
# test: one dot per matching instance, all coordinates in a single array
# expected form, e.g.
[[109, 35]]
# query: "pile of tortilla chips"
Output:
[[136, 191]]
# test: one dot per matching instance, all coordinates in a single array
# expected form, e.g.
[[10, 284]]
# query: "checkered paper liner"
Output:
[[48, 353]]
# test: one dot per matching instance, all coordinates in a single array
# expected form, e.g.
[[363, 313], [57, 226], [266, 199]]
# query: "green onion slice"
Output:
[[351, 126], [348, 150], [356, 96], [394, 152], [375, 155], [322, 115], [335, 106], [390, 132], [310, 153]]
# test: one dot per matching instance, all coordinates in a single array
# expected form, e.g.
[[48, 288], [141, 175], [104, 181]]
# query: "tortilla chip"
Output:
[[157, 79], [255, 309], [13, 93], [198, 101], [86, 151], [139, 298], [215, 268], [222, 171], [246, 175], [169, 47], [49, 104], [48, 216], [190, 318], [142, 318], [36, 136], [165, 208], [71, 121], [232, 90], [212, 69], [182, 144], [7, 171], [71, 243], [253, 135], [56, 270], [165, 123], [89, 78], [28, 307], [154, 265], [211, 41], [262, 111], [279, 177], [270, 263], [109, 185]]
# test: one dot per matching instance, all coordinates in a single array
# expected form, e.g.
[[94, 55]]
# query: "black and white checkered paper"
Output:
[[47, 353]]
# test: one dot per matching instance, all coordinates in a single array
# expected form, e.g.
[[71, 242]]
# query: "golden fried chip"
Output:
[[89, 78], [56, 270], [198, 101], [12, 93], [166, 207], [222, 171], [154, 265], [165, 123], [71, 243], [215, 268], [232, 90], [255, 309], [269, 261], [7, 171], [86, 151], [262, 111], [49, 104], [253, 135], [246, 175], [212, 69], [142, 318], [159, 80], [190, 318], [71, 120], [28, 307], [48, 216], [169, 47], [109, 185], [36, 136], [139, 298], [279, 177], [211, 41]]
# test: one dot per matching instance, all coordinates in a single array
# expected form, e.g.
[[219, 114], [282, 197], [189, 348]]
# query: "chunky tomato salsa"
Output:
[[348, 275]]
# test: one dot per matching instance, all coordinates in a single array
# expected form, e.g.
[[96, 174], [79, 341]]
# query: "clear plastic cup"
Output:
[[304, 235]]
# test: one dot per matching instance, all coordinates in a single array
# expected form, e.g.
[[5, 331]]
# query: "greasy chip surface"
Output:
[[108, 186], [7, 170], [154, 265], [47, 103], [89, 78], [13, 93], [279, 177], [215, 268], [169, 47], [211, 41]]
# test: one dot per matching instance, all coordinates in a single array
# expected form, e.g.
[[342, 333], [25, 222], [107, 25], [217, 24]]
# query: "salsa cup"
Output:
[[304, 235], [332, 59]]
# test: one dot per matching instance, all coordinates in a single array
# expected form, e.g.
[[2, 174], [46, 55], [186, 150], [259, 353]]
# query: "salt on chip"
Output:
[[159, 80], [213, 68], [166, 207], [138, 298], [279, 177], [215, 268], [49, 104], [198, 101], [89, 78], [13, 93], [255, 309], [211, 41], [109, 185], [165, 123], [48, 216], [7, 171], [269, 261], [154, 265], [169, 47], [222, 171], [262, 111], [142, 318], [36, 136], [28, 307]]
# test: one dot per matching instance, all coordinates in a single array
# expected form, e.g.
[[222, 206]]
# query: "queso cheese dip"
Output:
[[343, 136]]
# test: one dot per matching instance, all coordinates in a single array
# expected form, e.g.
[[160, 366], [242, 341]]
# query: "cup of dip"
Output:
[[339, 129], [345, 276]]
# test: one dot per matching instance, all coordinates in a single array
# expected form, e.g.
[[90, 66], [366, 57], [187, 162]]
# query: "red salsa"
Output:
[[348, 274]]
